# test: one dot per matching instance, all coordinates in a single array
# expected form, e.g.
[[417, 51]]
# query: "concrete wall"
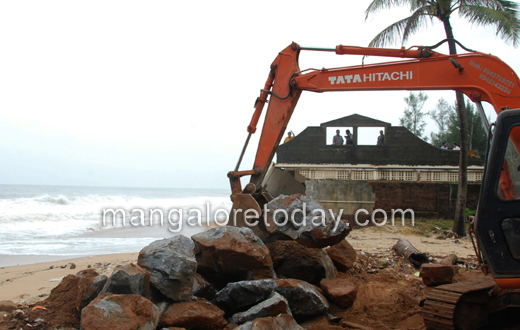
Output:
[[278, 182], [344, 192], [424, 198]]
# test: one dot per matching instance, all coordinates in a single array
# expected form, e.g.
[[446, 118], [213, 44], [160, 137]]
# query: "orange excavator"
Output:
[[482, 78]]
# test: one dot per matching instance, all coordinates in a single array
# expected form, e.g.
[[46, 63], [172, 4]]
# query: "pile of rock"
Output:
[[222, 278]]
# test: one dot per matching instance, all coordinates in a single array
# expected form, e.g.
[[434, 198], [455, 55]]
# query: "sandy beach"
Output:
[[33, 282], [33, 279], [375, 239]]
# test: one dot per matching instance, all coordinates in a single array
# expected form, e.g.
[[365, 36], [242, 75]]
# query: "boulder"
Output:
[[172, 266], [276, 304], [128, 279], [240, 296], [304, 221], [199, 314], [292, 260], [230, 254], [95, 285], [342, 255], [202, 288], [280, 322], [74, 292], [340, 291], [304, 299], [120, 311], [437, 274]]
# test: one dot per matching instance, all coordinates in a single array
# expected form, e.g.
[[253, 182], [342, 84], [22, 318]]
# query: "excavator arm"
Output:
[[481, 77]]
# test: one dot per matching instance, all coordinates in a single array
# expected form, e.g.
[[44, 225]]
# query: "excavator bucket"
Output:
[[248, 202], [242, 203]]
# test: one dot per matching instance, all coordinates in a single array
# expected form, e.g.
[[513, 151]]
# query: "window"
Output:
[[511, 228], [368, 136], [509, 185], [331, 132]]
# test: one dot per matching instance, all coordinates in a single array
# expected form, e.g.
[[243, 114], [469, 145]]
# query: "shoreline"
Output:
[[13, 260]]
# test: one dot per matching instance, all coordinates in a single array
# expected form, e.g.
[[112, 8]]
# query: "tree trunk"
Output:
[[460, 210]]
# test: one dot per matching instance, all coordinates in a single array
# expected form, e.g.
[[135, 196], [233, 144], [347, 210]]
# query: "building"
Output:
[[405, 172]]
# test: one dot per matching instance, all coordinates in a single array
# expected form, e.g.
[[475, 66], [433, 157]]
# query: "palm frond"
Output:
[[389, 35], [506, 22], [416, 4], [494, 4], [399, 31], [378, 5], [418, 20]]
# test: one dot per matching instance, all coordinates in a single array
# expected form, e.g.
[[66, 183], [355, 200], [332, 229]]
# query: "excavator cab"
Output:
[[497, 223]]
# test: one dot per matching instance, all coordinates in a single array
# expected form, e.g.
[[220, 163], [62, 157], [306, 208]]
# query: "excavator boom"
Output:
[[481, 77]]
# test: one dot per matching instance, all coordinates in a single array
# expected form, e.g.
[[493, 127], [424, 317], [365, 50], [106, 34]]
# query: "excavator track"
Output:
[[443, 310]]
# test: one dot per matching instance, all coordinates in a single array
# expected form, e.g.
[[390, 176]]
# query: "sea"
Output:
[[67, 220]]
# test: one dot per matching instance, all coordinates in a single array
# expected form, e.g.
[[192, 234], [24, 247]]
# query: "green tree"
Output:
[[413, 117], [441, 116], [500, 14], [477, 137]]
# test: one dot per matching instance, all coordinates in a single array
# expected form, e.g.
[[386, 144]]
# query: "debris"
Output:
[[407, 250], [450, 260]]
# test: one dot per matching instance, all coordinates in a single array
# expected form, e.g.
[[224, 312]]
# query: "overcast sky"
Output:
[[159, 93]]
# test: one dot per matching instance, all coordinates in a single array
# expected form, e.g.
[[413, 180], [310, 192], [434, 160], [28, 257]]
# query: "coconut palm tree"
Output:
[[500, 14]]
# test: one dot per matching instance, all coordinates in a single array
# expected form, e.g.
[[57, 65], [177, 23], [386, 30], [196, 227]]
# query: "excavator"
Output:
[[482, 78]]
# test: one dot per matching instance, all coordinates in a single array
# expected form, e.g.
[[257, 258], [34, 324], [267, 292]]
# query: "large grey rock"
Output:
[[129, 279], [304, 221], [292, 260], [126, 311], [304, 299], [230, 254], [239, 296], [276, 304], [172, 266], [281, 322], [95, 284]]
